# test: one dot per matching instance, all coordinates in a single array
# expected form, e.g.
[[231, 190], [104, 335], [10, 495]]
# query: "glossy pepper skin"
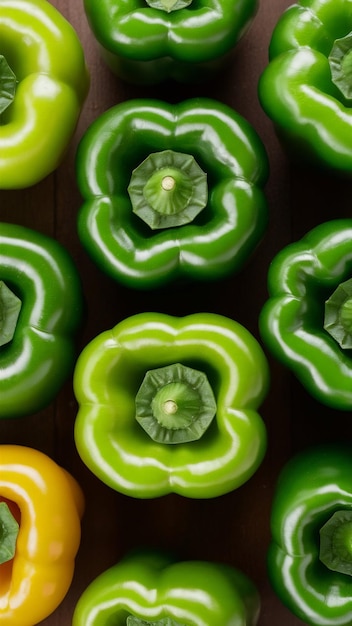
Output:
[[109, 372], [301, 277], [311, 488], [219, 240], [311, 114], [144, 44], [49, 505], [153, 587], [41, 354], [44, 52]]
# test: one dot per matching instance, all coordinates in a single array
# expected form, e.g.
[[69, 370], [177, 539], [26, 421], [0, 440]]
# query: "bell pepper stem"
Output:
[[338, 315], [10, 306], [8, 84], [136, 621], [336, 542], [340, 60], [175, 404], [168, 189], [168, 5], [9, 529]]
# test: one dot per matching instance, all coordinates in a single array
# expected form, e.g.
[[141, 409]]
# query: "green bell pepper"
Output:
[[43, 84], [306, 89], [185, 40], [310, 556], [143, 425], [307, 319], [145, 168], [40, 310], [152, 589]]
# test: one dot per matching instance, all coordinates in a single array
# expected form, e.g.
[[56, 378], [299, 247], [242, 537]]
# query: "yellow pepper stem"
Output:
[[8, 533]]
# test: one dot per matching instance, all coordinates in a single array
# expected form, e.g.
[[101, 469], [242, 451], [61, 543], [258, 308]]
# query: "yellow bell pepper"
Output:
[[48, 504]]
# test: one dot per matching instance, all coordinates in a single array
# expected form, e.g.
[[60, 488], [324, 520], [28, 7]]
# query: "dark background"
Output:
[[232, 528]]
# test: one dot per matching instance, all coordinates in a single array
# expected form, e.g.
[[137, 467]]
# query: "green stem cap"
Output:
[[136, 621], [340, 60], [168, 5], [168, 189], [7, 84], [338, 314], [175, 404], [336, 542], [10, 306], [8, 533]]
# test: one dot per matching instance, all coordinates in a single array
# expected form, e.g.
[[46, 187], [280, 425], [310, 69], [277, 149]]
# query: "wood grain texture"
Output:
[[233, 528]]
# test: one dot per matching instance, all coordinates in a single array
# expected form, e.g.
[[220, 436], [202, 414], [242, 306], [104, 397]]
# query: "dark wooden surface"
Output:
[[233, 528]]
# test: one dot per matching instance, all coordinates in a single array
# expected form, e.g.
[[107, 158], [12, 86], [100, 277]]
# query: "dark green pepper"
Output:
[[310, 555], [133, 220], [186, 40], [306, 89], [307, 320], [40, 310], [152, 589]]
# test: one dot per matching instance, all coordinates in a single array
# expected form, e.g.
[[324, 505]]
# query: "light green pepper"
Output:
[[152, 589], [41, 103], [110, 373]]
